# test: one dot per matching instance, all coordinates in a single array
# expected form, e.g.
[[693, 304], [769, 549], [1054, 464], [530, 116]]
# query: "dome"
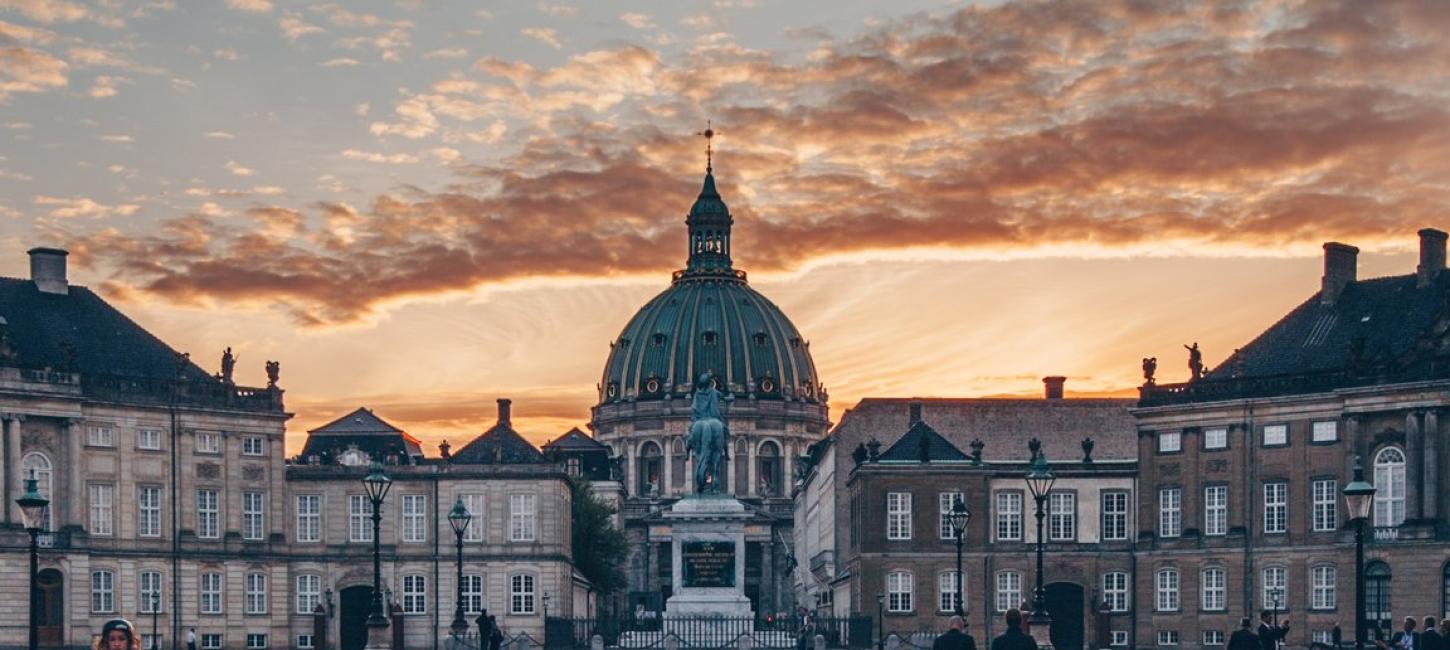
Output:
[[710, 320]]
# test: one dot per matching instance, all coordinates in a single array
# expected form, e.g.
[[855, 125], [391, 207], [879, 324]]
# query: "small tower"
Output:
[[709, 224]]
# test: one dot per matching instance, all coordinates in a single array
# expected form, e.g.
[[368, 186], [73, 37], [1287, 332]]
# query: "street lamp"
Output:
[[1039, 481], [546, 606], [1358, 498], [155, 613], [1276, 595], [458, 518], [958, 518], [880, 616], [32, 511], [377, 485]]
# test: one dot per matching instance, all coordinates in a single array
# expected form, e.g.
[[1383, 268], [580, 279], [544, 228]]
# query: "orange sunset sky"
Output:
[[420, 208]]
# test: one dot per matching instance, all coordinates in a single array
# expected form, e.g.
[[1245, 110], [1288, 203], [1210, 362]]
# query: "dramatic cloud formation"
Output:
[[1086, 126]]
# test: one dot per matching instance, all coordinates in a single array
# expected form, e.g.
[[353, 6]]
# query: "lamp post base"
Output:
[[1040, 624], [379, 638]]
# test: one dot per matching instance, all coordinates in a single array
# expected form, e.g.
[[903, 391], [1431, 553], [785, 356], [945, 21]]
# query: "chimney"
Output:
[[503, 411], [1339, 270], [914, 409], [1053, 386], [47, 270], [1432, 256]]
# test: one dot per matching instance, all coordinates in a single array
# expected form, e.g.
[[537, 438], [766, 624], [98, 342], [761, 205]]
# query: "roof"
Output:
[[576, 440], [499, 445], [365, 431], [80, 332], [922, 440]]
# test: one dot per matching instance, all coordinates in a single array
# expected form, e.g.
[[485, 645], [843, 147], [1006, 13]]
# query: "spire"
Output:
[[709, 224], [709, 135]]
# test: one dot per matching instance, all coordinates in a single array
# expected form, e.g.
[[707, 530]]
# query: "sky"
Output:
[[420, 206]]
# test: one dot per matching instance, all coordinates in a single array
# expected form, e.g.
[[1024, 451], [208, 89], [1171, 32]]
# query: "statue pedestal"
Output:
[[708, 539]]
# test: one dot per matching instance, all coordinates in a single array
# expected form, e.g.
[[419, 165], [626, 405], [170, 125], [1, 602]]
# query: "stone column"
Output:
[[631, 485], [74, 500], [11, 473], [750, 478], [1414, 456], [668, 450], [730, 469], [787, 479], [689, 475], [1430, 428]]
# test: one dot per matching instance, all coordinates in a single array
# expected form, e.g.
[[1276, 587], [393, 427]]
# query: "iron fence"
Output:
[[707, 633]]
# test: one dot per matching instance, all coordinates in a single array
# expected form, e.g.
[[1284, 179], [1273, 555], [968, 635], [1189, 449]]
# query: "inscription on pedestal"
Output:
[[708, 564]]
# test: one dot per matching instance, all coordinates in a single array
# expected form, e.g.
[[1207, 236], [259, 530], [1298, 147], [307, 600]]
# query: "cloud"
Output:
[[105, 86], [227, 53], [1075, 127], [340, 62], [389, 37], [83, 207], [26, 70], [219, 135], [293, 27], [117, 138], [239, 170], [59, 11], [544, 35], [558, 10], [251, 6], [23, 34], [637, 21], [449, 53]]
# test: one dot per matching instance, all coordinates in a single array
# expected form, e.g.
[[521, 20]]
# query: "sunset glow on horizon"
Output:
[[420, 209]]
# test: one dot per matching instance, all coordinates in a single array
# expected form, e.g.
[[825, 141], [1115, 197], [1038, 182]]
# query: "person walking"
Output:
[[117, 634], [1014, 638], [1430, 639], [191, 639], [1405, 639], [1270, 634], [1244, 637], [1336, 636], [955, 638]]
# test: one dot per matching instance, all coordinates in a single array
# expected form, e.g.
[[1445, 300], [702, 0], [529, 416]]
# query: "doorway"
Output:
[[1065, 605], [51, 605], [352, 632]]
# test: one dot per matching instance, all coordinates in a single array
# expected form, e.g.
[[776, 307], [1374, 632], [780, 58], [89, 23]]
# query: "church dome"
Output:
[[710, 320]]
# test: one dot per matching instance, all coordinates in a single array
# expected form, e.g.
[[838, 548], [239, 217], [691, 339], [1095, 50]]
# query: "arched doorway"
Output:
[[51, 605], [1065, 605], [352, 633], [1377, 601]]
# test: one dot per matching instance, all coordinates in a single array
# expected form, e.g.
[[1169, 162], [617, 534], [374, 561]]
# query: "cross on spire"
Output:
[[709, 135]]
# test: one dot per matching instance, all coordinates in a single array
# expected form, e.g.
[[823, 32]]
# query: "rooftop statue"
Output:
[[708, 435], [1195, 360]]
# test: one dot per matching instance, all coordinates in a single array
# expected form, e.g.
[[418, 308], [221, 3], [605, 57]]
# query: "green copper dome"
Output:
[[709, 319]]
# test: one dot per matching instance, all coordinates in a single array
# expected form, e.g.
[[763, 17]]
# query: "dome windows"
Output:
[[658, 340], [709, 337], [612, 391], [652, 385], [760, 339], [767, 384]]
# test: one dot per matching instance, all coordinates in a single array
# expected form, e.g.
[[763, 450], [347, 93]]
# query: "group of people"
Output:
[[957, 637], [1430, 637], [1267, 638]]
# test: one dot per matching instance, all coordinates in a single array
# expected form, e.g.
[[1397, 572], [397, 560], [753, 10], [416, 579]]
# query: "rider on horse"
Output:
[[708, 436]]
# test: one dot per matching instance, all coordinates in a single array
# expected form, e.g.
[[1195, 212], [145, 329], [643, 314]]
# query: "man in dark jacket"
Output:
[[1244, 638], [1408, 638], [1014, 638], [955, 638], [1430, 639], [1270, 634]]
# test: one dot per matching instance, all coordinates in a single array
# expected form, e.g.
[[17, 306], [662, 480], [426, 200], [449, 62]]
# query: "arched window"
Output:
[[1377, 600], [36, 465], [1389, 483], [650, 467], [768, 469]]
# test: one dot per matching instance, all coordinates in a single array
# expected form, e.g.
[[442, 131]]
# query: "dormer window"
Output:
[[767, 385], [708, 337], [624, 342], [652, 385], [760, 339], [658, 340], [612, 390], [352, 458], [795, 342]]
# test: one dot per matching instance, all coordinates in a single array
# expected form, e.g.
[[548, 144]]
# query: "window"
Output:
[[1213, 588], [98, 436], [521, 594], [521, 517], [472, 594], [208, 443], [1322, 593], [1170, 441], [1170, 512], [945, 501], [474, 504], [1115, 591], [572, 466], [1061, 516], [1377, 595], [253, 445], [148, 512], [1445, 591], [1118, 638], [1168, 590], [103, 596], [211, 641], [415, 512], [253, 520], [1215, 510], [304, 641], [1276, 434], [1276, 507], [148, 439], [206, 514], [1009, 516], [309, 593], [211, 593], [898, 515], [256, 593], [359, 510], [1275, 595], [256, 641], [946, 584], [1389, 483], [37, 465], [1115, 516], [1213, 637], [415, 595], [102, 499], [1167, 637], [1215, 438], [150, 584], [1009, 590], [150, 642], [309, 517], [1324, 432], [1326, 505], [1325, 637], [898, 592]]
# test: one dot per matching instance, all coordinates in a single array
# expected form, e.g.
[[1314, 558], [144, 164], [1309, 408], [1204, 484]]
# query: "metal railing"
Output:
[[705, 632]]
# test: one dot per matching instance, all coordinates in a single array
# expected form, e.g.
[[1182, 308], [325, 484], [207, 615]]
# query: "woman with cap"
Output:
[[118, 634]]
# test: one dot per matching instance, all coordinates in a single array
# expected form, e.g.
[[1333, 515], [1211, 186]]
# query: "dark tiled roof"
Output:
[[364, 430], [499, 445], [42, 327], [575, 440], [922, 437]]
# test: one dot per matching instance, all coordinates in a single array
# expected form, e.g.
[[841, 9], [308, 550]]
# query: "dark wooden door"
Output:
[[1065, 605], [352, 633], [50, 630]]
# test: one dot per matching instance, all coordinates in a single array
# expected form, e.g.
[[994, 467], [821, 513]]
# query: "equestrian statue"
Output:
[[709, 436]]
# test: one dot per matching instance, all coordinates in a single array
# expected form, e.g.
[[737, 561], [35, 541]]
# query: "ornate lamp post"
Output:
[[155, 614], [377, 485], [881, 616], [958, 518], [1358, 499], [32, 511], [458, 518], [1039, 481]]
